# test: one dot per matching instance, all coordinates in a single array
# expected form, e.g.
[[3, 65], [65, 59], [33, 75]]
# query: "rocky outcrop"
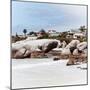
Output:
[[48, 47], [27, 54], [66, 51], [81, 46], [73, 43], [77, 57], [64, 44], [27, 48], [20, 53], [70, 62], [77, 52], [70, 47]]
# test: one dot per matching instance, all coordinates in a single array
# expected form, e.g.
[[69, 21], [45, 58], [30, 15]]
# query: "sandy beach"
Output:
[[29, 73]]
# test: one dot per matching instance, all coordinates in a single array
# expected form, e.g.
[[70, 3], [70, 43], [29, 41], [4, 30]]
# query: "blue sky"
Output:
[[35, 16]]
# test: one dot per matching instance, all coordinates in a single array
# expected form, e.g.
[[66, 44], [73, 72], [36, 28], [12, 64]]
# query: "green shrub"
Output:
[[15, 38]]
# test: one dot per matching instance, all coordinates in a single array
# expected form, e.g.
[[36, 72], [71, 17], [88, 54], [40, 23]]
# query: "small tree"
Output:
[[43, 31], [43, 34], [30, 33], [82, 28], [25, 31]]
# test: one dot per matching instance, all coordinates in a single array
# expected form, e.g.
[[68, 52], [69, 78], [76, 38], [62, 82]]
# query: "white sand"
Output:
[[28, 73]]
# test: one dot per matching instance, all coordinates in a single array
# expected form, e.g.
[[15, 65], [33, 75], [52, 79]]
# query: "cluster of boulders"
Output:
[[33, 48], [77, 52]]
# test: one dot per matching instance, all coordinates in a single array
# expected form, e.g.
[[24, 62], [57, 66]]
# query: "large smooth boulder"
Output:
[[27, 54], [81, 46], [64, 44], [66, 51], [13, 52], [33, 44], [75, 52], [20, 53], [49, 46], [70, 47], [70, 62], [73, 43], [25, 47]]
